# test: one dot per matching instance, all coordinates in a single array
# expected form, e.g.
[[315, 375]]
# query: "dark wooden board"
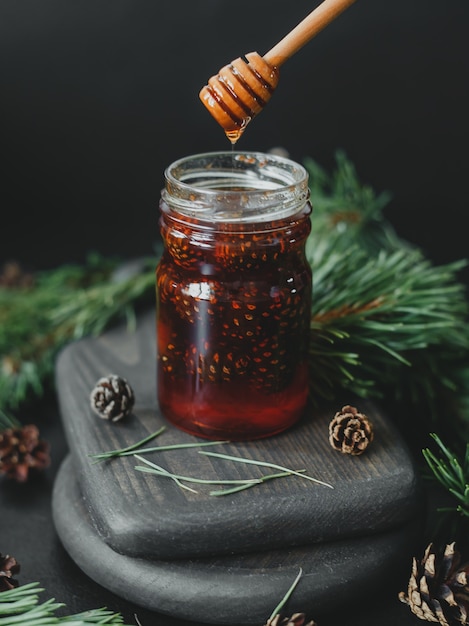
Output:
[[141, 515], [236, 589]]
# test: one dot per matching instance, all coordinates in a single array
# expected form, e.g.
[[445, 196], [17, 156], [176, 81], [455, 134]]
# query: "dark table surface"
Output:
[[28, 534]]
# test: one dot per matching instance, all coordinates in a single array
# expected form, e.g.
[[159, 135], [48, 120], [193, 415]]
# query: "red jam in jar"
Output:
[[233, 295]]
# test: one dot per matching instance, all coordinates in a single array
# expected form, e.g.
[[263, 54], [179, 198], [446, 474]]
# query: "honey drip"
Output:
[[233, 134]]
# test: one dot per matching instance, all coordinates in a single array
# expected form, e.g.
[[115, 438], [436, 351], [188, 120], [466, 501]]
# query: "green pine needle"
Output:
[[153, 468], [287, 470], [129, 450], [263, 479], [286, 597], [451, 472]]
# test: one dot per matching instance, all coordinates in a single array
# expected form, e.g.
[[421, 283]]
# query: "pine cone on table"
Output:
[[438, 588], [112, 398], [9, 567], [21, 450], [350, 432], [297, 619]]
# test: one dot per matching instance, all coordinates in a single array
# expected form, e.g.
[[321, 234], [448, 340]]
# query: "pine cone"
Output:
[[112, 398], [297, 619], [22, 450], [350, 432], [8, 568], [12, 276], [438, 589]]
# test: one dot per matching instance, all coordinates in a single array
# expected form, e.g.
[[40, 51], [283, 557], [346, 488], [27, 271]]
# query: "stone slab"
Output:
[[233, 589]]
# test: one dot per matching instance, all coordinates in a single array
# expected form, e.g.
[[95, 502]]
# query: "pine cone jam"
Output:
[[233, 295]]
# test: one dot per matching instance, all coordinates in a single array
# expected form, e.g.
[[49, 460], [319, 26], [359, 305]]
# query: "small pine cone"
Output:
[[350, 432], [9, 567], [438, 588], [21, 450], [297, 619], [12, 276], [112, 398]]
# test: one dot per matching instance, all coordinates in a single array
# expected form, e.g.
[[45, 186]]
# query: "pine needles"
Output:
[[21, 606], [397, 306], [61, 305], [230, 486], [452, 472], [385, 320]]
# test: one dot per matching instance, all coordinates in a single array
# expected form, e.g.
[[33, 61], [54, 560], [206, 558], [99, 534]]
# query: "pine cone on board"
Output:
[[8, 568], [21, 450], [112, 398], [297, 619], [438, 588], [350, 432]]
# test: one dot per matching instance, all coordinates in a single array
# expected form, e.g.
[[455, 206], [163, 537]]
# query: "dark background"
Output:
[[99, 96]]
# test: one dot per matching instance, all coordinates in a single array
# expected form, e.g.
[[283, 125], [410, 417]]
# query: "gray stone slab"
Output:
[[236, 589]]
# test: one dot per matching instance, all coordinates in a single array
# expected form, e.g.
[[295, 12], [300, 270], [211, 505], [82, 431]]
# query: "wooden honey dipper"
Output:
[[242, 88]]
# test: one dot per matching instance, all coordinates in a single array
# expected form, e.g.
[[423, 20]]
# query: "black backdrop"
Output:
[[99, 96]]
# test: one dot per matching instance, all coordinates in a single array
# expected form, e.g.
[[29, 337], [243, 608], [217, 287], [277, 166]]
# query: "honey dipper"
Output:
[[242, 88]]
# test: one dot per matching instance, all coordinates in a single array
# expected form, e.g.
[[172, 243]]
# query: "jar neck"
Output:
[[235, 192]]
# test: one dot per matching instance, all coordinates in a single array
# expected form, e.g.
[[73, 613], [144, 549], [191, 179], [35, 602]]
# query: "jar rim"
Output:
[[233, 186]]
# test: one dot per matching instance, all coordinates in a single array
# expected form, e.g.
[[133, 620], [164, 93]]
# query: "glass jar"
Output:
[[233, 295]]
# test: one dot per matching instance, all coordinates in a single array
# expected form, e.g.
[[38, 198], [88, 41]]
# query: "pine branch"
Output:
[[452, 472], [343, 205], [20, 607], [384, 319], [62, 305], [383, 324]]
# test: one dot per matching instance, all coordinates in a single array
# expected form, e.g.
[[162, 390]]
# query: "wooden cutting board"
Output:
[[144, 515], [354, 532]]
